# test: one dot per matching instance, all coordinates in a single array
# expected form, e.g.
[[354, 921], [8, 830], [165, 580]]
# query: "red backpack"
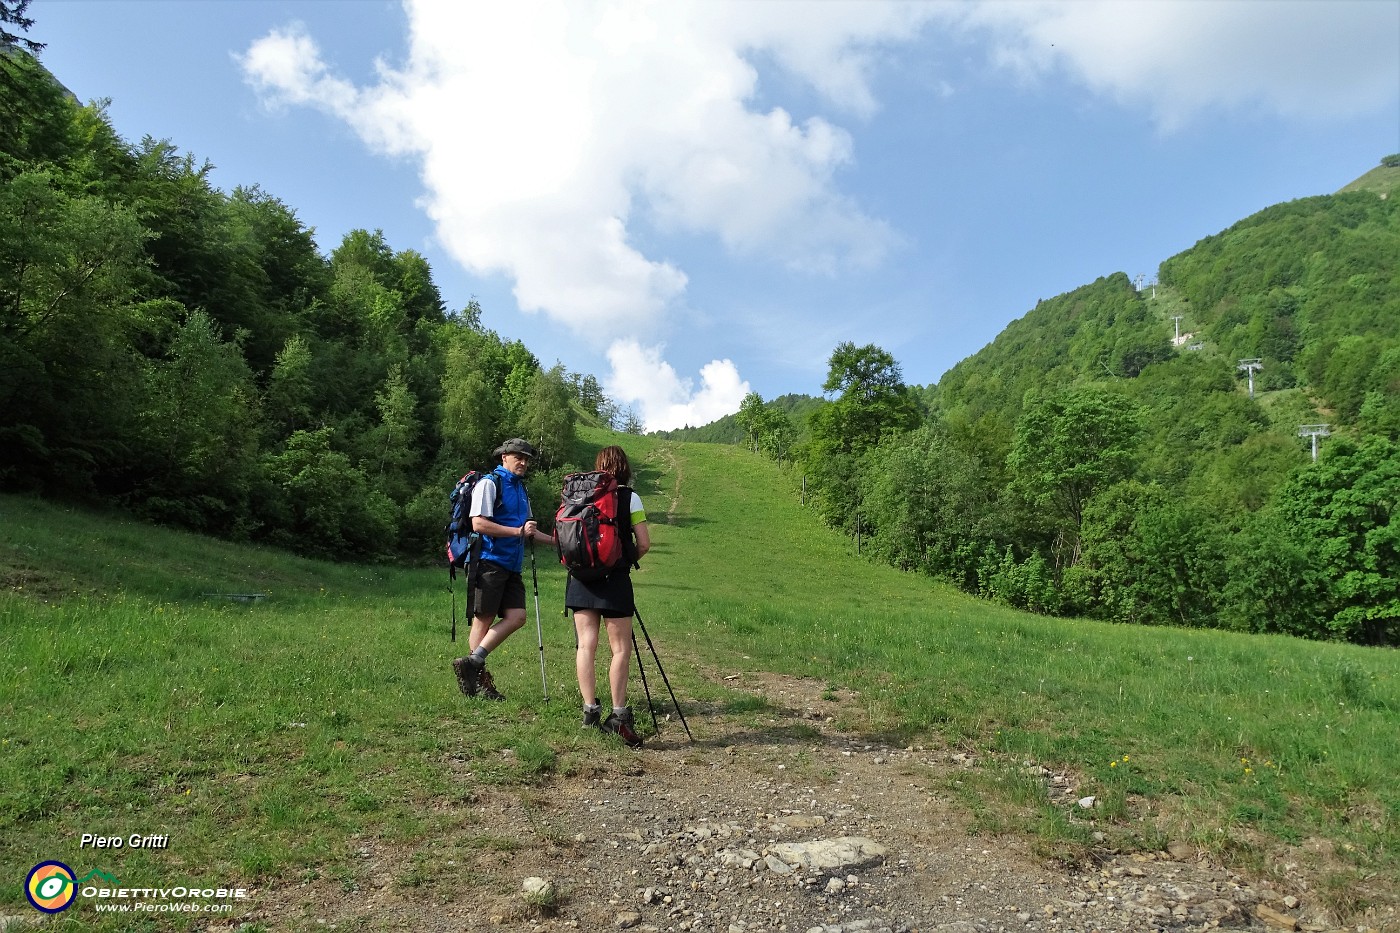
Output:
[[593, 526]]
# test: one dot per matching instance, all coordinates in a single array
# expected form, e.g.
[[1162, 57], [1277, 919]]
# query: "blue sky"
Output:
[[692, 200]]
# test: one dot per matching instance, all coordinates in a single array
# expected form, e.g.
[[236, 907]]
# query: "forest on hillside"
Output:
[[1145, 455], [193, 357]]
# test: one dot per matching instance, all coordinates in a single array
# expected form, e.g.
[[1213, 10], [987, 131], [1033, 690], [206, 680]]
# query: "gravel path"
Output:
[[713, 835]]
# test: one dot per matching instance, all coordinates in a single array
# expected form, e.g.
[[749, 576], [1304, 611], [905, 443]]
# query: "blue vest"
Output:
[[514, 510]]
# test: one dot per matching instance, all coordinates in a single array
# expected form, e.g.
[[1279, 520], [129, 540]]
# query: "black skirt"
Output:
[[610, 596]]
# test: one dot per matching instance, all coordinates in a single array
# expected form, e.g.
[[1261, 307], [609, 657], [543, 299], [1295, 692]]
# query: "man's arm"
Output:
[[487, 524], [531, 530]]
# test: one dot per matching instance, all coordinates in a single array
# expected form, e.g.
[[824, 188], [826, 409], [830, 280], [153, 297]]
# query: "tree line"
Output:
[[1086, 463], [192, 356]]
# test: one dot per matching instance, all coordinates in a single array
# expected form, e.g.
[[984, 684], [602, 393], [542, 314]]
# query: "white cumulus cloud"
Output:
[[545, 129], [641, 378], [1314, 59]]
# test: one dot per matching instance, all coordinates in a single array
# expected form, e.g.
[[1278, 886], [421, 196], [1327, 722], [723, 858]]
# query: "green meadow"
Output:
[[266, 737]]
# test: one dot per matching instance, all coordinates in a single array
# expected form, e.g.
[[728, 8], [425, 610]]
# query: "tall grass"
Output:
[[267, 738]]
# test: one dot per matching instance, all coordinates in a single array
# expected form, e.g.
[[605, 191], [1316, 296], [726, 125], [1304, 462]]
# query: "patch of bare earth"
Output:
[[691, 836]]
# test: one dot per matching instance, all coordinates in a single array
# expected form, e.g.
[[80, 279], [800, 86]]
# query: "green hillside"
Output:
[[1291, 325], [1217, 449], [270, 737], [1384, 179], [1310, 288]]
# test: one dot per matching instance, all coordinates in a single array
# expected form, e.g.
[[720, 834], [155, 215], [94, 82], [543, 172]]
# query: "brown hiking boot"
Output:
[[468, 671], [623, 725], [488, 686]]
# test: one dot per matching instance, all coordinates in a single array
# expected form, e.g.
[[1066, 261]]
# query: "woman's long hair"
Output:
[[614, 460]]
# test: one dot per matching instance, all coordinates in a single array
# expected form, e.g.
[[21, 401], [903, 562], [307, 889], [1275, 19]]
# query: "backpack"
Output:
[[593, 527], [463, 544]]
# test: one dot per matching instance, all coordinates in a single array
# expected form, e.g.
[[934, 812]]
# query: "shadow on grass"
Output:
[[789, 728]]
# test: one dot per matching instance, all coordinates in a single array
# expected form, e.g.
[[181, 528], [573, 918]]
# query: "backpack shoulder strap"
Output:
[[495, 480], [624, 526], [473, 563]]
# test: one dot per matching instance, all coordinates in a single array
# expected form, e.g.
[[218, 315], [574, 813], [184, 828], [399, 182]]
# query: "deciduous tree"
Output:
[[872, 402], [1068, 446], [1342, 509], [198, 432], [547, 418]]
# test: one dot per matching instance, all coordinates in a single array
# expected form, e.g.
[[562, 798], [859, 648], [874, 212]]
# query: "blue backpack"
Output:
[[463, 544]]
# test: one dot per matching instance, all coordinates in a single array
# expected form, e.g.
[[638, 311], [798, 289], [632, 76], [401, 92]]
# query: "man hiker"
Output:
[[497, 587]]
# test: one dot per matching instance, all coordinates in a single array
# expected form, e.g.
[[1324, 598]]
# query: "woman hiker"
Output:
[[610, 601]]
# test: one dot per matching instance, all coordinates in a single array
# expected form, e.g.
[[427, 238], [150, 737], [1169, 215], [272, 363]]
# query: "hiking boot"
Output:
[[488, 687], [626, 729], [468, 671], [593, 718]]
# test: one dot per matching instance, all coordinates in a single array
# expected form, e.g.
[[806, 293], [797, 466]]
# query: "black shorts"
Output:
[[497, 590], [611, 596]]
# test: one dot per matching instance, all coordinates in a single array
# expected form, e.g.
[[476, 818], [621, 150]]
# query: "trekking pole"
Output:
[[539, 626], [657, 658], [452, 595], [645, 689]]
